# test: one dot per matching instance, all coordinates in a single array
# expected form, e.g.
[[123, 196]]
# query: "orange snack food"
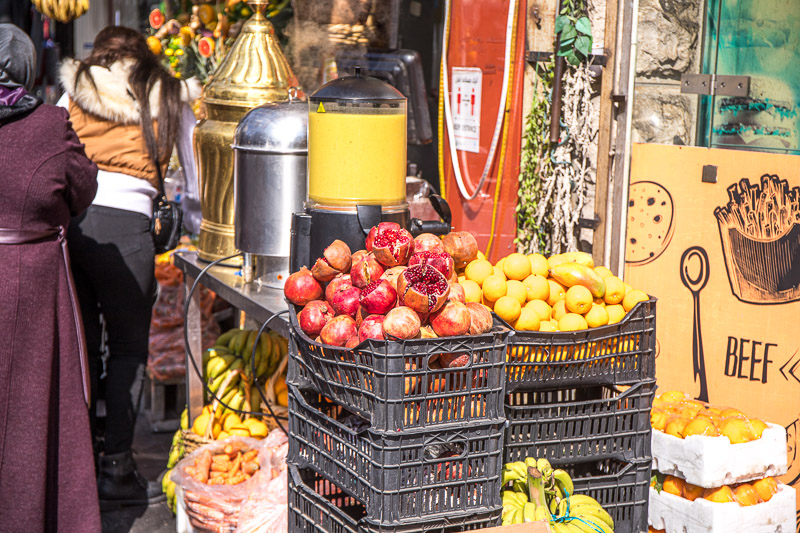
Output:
[[765, 488], [722, 494], [692, 492], [674, 485], [746, 495]]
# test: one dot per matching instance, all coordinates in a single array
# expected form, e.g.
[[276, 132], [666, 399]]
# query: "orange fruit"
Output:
[[528, 320], [729, 412], [691, 408], [658, 419], [632, 298], [615, 313], [597, 316], [738, 430], [508, 308], [494, 287], [536, 287], [700, 426], [478, 270], [722, 494], [603, 271], [746, 495], [692, 492], [517, 266], [544, 311], [672, 396], [572, 322], [556, 259], [758, 427], [765, 487], [674, 485], [615, 290], [539, 265], [472, 291], [557, 292], [516, 289], [498, 271], [548, 325], [578, 299], [675, 426], [559, 309]]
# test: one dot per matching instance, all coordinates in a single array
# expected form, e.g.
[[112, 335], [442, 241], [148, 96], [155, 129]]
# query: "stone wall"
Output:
[[670, 40]]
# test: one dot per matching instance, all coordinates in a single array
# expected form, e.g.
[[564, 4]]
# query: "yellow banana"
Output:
[[219, 365], [563, 482], [543, 464], [562, 527], [586, 524], [593, 512], [529, 512], [583, 499], [541, 513]]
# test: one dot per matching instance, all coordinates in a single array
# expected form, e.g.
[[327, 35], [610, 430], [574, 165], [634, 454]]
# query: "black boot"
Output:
[[119, 484]]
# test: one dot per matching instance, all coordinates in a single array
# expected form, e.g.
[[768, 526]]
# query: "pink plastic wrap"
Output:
[[266, 508]]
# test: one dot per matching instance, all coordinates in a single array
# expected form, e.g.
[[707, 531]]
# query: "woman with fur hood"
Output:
[[130, 113]]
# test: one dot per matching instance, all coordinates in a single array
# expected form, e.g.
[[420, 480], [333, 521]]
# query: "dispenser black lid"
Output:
[[357, 88]]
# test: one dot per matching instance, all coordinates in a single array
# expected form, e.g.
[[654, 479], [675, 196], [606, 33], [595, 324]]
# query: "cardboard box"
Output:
[[530, 527]]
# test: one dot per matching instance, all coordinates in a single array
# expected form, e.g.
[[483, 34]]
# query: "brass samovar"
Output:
[[254, 72]]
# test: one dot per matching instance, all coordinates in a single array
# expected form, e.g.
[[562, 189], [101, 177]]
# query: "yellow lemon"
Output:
[[516, 289], [597, 316], [548, 325], [544, 311], [200, 423], [517, 266], [230, 419], [578, 299], [508, 308], [572, 322], [239, 431], [478, 270], [472, 291], [498, 271], [603, 271], [557, 292], [528, 320], [615, 313], [634, 297], [539, 264], [494, 287], [559, 309], [615, 290], [556, 259], [536, 287], [258, 429]]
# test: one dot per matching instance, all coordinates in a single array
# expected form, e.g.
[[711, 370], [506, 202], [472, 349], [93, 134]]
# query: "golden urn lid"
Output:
[[255, 71]]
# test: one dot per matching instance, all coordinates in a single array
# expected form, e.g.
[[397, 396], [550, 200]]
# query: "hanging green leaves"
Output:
[[574, 31]]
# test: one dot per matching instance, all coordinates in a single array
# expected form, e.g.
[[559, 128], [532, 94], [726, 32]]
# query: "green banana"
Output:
[[185, 419], [247, 351], [237, 341], [255, 399], [225, 338]]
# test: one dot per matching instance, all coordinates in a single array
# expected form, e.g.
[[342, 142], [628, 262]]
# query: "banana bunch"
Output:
[[62, 10], [536, 491]]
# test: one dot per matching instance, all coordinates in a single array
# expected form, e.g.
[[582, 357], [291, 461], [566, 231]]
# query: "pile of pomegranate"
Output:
[[400, 287]]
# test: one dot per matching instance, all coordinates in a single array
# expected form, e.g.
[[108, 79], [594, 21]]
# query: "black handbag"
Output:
[[165, 225]]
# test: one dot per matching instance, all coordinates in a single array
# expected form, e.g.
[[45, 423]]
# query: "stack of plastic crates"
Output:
[[384, 439], [582, 400]]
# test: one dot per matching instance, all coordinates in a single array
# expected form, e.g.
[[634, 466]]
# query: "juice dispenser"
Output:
[[357, 129]]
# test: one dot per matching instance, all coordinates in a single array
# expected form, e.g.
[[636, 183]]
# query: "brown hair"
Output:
[[117, 42]]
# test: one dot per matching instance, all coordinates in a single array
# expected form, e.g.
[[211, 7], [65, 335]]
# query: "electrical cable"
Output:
[[190, 356], [504, 142], [510, 30]]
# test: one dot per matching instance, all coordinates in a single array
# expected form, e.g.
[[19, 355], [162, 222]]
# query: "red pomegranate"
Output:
[[462, 246], [352, 342], [457, 293], [440, 261], [366, 270], [428, 242], [402, 323], [338, 330], [357, 255], [392, 246], [383, 226], [422, 288], [453, 360], [335, 260], [452, 319], [392, 274], [371, 328], [378, 297], [301, 287], [314, 316], [342, 280], [345, 300], [480, 318]]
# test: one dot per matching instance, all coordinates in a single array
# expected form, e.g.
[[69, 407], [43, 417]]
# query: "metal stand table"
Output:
[[258, 302]]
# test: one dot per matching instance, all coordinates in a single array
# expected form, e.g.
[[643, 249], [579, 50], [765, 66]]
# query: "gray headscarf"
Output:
[[17, 72]]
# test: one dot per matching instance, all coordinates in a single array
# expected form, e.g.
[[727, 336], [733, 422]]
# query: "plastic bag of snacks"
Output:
[[266, 509], [215, 479]]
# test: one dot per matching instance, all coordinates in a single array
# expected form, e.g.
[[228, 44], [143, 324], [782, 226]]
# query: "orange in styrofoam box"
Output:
[[703, 515]]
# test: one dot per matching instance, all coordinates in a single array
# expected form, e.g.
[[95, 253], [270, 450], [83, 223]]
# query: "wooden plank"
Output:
[[605, 157], [530, 527], [541, 23]]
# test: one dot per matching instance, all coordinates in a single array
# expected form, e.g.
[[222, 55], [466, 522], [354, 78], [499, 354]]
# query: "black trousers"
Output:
[[111, 251]]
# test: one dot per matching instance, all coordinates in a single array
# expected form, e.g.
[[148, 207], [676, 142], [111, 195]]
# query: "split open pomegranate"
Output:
[[422, 288], [441, 261], [392, 246]]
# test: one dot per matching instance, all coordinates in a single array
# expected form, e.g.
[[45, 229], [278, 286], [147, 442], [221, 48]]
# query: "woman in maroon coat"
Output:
[[47, 480]]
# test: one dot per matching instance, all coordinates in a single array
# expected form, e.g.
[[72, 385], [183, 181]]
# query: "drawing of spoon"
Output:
[[695, 285]]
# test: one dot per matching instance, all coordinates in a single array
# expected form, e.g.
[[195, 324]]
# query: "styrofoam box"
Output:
[[713, 461], [679, 515], [182, 524]]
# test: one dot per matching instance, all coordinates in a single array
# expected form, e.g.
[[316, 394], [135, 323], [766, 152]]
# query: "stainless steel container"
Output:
[[270, 161]]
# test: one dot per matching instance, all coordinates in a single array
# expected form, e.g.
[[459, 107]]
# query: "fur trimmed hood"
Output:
[[113, 100]]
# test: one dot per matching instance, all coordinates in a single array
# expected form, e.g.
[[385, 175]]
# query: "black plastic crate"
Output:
[[397, 386], [617, 354], [318, 506], [623, 488], [398, 475], [584, 424]]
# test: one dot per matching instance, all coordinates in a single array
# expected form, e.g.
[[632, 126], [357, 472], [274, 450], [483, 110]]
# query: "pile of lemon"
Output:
[[521, 290]]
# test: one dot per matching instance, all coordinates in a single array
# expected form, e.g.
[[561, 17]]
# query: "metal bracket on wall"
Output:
[[715, 85], [533, 56]]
